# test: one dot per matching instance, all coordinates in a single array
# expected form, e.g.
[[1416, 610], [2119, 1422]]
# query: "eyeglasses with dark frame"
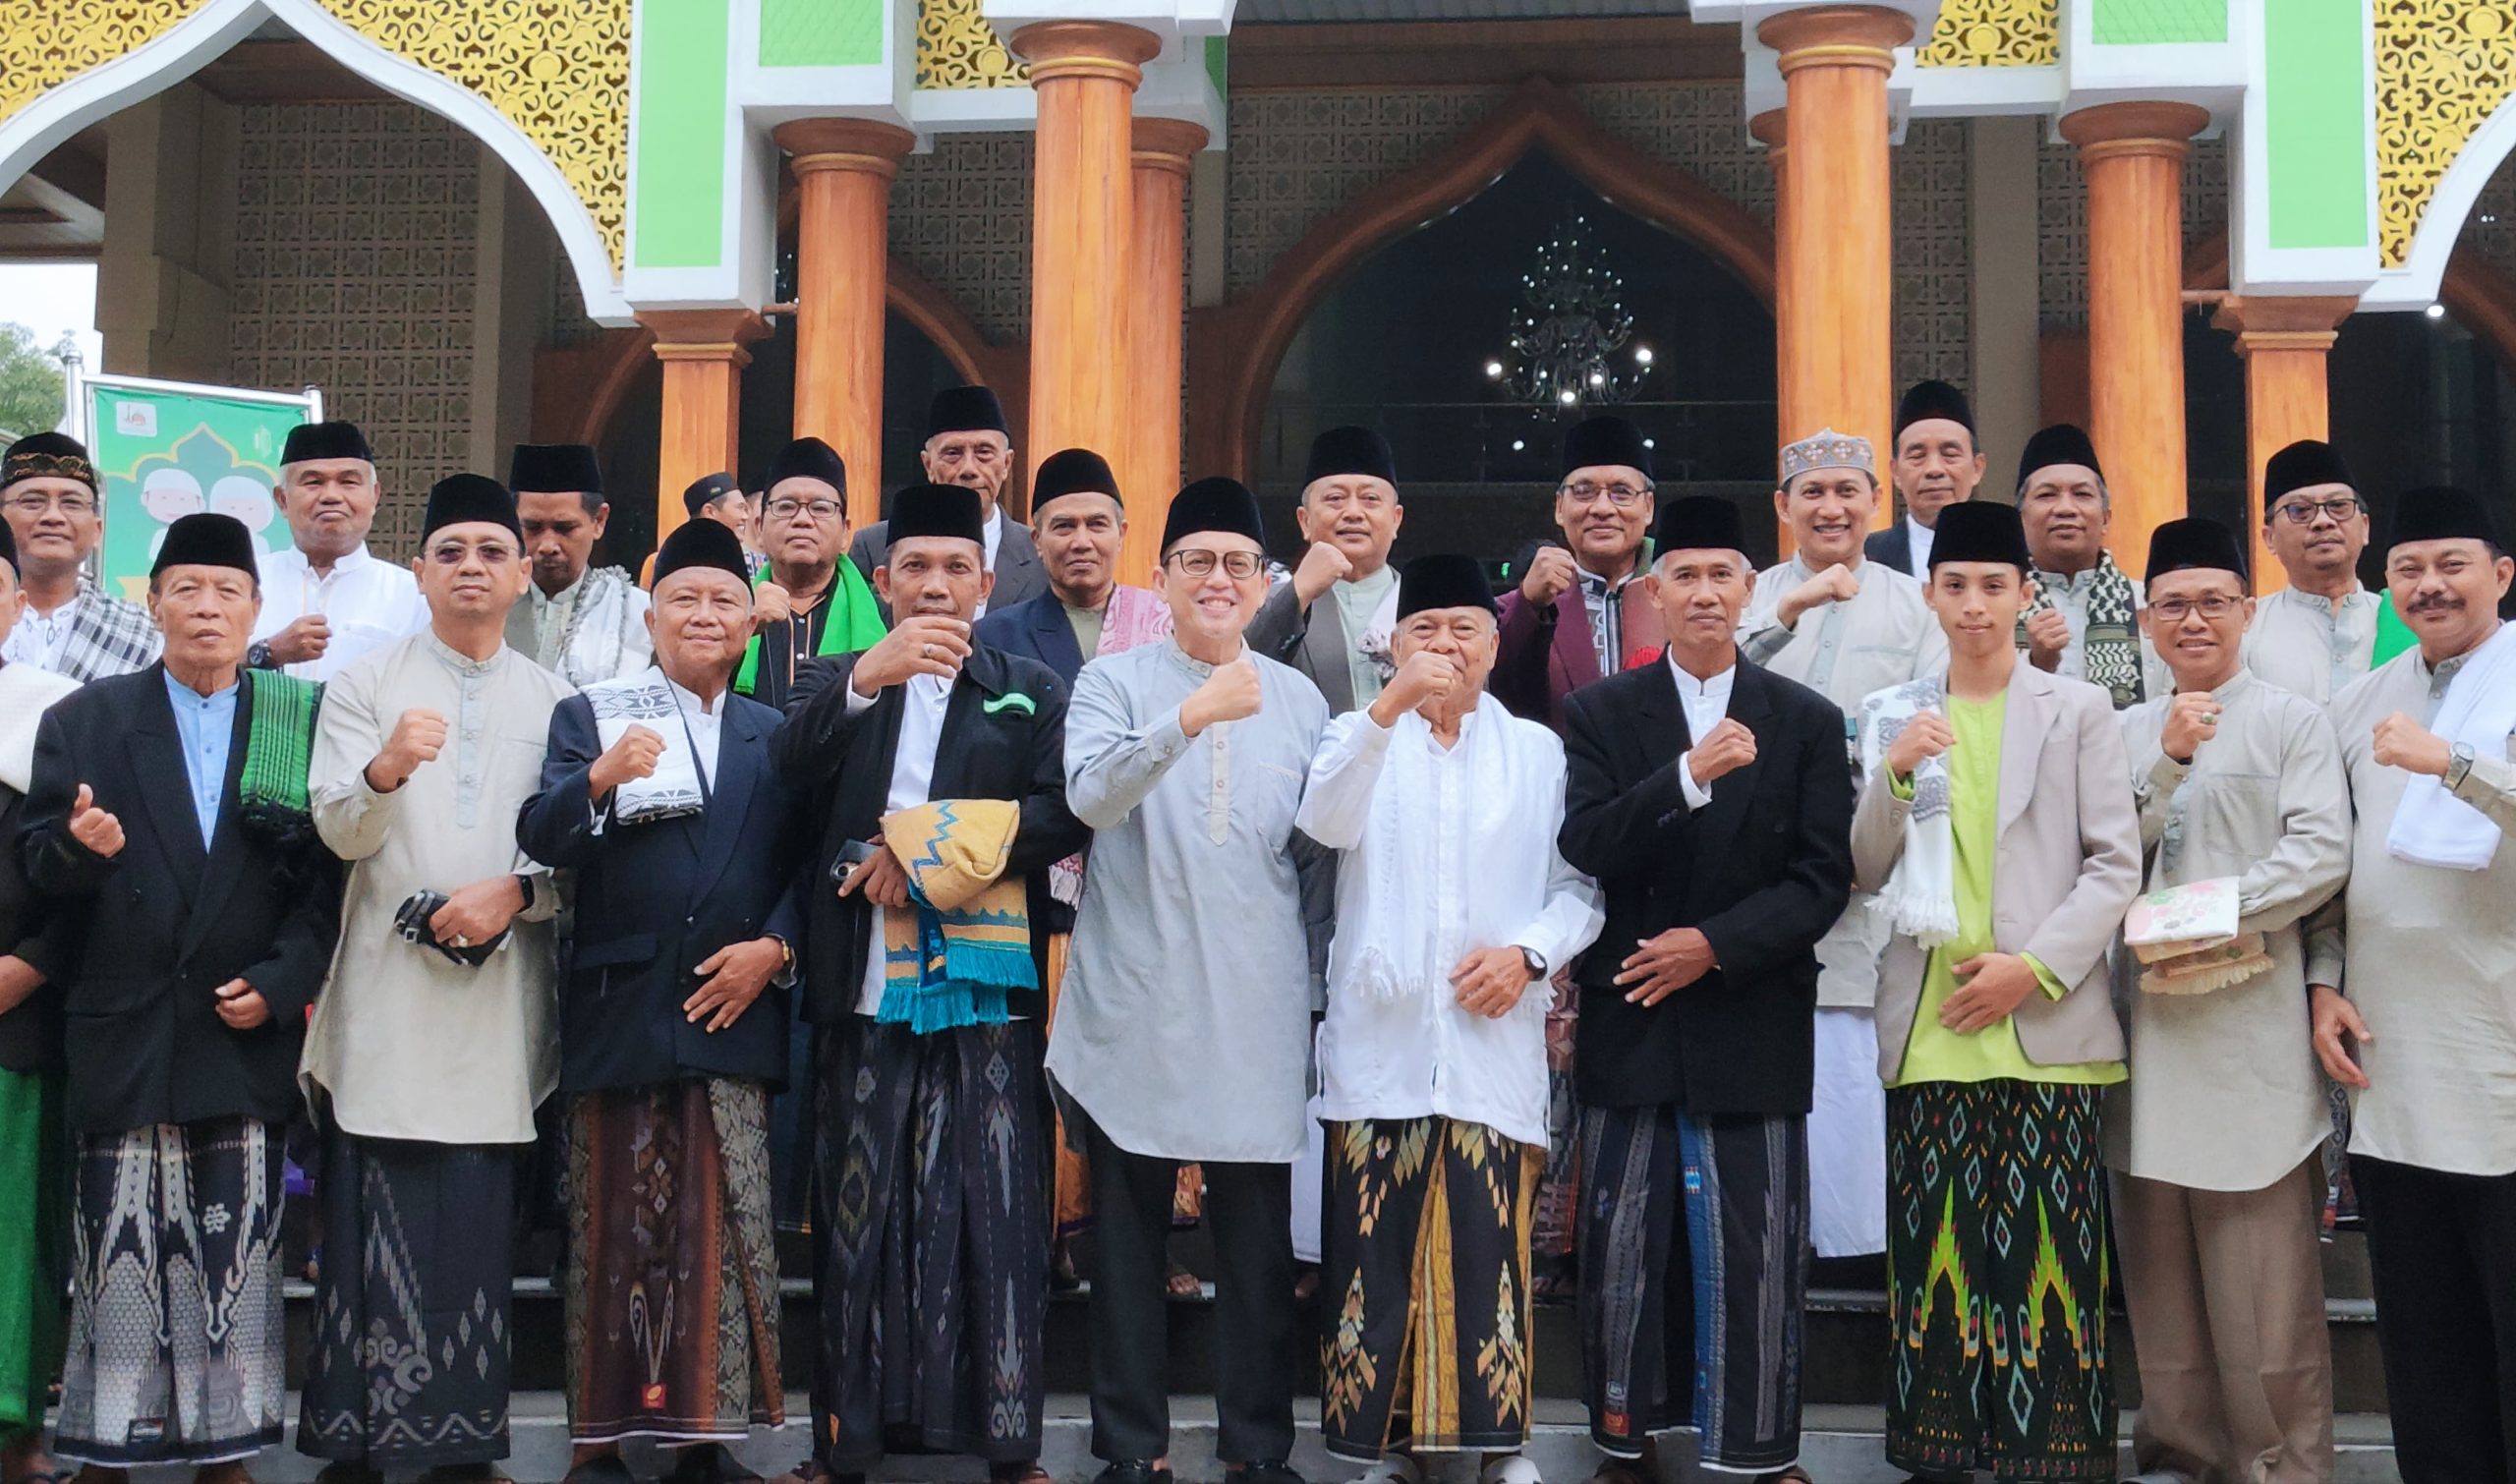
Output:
[[2212, 606], [1622, 496], [2339, 508], [823, 511], [1239, 566]]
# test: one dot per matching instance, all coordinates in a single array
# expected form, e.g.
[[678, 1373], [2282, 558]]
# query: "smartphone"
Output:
[[853, 854]]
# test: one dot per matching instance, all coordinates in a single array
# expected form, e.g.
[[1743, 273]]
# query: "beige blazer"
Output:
[[2069, 867]]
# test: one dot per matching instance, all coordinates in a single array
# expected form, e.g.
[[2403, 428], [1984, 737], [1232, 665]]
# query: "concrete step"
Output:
[[1843, 1445]]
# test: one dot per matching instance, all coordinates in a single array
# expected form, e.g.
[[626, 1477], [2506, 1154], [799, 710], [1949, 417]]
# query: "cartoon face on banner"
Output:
[[168, 453]]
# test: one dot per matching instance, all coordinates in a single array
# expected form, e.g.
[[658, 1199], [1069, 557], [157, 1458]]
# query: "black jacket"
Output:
[[653, 901], [1763, 869], [29, 1032], [992, 747], [156, 929]]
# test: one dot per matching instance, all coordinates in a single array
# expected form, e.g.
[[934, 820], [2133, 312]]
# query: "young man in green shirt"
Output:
[[1997, 823]]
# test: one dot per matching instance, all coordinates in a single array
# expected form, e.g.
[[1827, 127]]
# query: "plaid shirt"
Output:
[[107, 636]]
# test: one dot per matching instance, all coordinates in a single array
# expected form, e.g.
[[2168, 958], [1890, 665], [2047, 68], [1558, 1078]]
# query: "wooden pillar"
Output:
[[2133, 154], [1771, 129], [1148, 463], [2283, 342], [1085, 73], [704, 359], [843, 171], [1835, 257]]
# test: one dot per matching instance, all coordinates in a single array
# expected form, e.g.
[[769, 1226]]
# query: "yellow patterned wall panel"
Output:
[[2444, 67], [44, 43], [958, 48], [558, 70], [1994, 33]]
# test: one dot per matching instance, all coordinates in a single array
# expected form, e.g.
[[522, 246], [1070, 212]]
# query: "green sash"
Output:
[[854, 623], [279, 747], [2393, 636]]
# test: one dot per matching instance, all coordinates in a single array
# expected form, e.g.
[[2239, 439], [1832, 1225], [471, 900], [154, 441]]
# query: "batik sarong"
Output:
[[1424, 1287], [931, 1239], [1997, 1273], [413, 1346], [1694, 1276], [671, 1284], [1559, 1192], [34, 1190], [176, 1329]]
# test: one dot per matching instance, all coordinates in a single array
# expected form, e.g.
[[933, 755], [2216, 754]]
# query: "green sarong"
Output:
[[34, 1190]]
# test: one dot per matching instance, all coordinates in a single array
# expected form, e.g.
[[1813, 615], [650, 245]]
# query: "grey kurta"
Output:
[[2428, 955], [2225, 1091], [408, 1043], [1884, 636], [1183, 1024], [2298, 643]]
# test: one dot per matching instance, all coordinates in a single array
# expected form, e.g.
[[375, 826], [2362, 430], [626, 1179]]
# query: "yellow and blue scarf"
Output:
[[966, 938]]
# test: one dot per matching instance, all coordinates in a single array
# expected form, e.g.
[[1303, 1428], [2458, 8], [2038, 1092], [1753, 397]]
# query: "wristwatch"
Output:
[[1536, 962], [2459, 764], [257, 656]]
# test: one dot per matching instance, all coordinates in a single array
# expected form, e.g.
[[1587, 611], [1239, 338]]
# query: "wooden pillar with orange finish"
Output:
[[1771, 129], [1085, 73], [2133, 154], [1148, 460], [1835, 257], [843, 172], [704, 359], [2284, 342]]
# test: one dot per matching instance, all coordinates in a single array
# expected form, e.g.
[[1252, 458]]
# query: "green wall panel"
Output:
[[681, 123], [2315, 79], [820, 33], [2148, 22]]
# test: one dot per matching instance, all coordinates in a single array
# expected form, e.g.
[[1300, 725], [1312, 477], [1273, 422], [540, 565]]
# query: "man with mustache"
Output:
[[436, 1036], [2412, 974], [580, 623], [1579, 611], [54, 503], [812, 600], [328, 602], [1938, 463], [967, 445], [2317, 634], [1349, 515], [1843, 625], [941, 763], [2215, 1141], [2084, 622]]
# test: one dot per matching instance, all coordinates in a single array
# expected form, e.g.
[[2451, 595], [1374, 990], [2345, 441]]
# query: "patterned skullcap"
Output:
[[1827, 449]]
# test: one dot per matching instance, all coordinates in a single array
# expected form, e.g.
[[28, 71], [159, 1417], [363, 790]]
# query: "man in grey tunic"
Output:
[[2318, 633], [1183, 1028], [1349, 515], [2218, 1182], [1844, 626], [2412, 973]]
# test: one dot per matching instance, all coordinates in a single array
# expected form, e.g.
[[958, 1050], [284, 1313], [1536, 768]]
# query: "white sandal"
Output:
[[1513, 1470], [1397, 1468]]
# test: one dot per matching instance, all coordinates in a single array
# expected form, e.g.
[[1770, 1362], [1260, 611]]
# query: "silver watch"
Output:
[[1536, 962], [2459, 764]]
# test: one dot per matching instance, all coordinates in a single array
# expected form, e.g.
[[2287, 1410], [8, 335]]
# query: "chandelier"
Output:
[[1568, 328]]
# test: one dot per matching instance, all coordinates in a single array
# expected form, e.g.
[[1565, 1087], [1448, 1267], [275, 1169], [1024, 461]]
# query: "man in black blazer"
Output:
[[657, 792], [967, 444], [931, 1231], [202, 912], [1713, 802]]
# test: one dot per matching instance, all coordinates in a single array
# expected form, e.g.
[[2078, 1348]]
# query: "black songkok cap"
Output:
[[47, 455], [1928, 400], [554, 469], [1074, 470], [806, 459], [206, 540], [2301, 465], [2193, 541], [701, 543], [2439, 513], [2061, 443], [963, 409], [1603, 441], [463, 500], [1443, 582], [1351, 450], [326, 441], [1214, 504], [938, 510], [1981, 531], [1698, 522], [706, 490]]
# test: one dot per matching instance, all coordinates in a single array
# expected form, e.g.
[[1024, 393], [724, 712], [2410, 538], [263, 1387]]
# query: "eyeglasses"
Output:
[[37, 502], [823, 511], [1618, 495], [454, 553], [1239, 566], [2172, 611], [2304, 512]]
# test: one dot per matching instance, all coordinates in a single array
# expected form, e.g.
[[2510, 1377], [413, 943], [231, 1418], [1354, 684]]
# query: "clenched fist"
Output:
[[1425, 676], [99, 831], [1836, 583], [1551, 572], [1926, 735], [1322, 567], [923, 645], [2192, 718], [634, 755], [770, 604], [1229, 694], [1724, 749], [302, 641], [2049, 634], [2401, 742], [418, 735]]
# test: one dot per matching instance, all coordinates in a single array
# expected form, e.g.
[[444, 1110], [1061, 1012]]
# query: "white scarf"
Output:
[[25, 692], [1921, 894], [2431, 827], [647, 699], [589, 649]]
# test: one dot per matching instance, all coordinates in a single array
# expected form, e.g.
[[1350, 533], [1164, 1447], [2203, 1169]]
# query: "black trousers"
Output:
[[2440, 1247], [1250, 1211]]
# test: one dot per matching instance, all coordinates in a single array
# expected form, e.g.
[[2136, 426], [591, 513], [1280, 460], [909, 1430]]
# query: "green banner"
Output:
[[165, 451]]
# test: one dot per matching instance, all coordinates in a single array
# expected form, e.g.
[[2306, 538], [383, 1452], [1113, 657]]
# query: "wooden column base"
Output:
[[2285, 343], [704, 359]]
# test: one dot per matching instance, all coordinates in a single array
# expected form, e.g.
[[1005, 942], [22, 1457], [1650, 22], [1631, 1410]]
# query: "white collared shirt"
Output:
[[705, 723], [992, 536], [367, 603], [1707, 705], [912, 783], [1917, 540], [38, 636]]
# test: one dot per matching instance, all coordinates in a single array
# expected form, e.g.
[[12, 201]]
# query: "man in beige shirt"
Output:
[[2218, 1183], [2317, 634]]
